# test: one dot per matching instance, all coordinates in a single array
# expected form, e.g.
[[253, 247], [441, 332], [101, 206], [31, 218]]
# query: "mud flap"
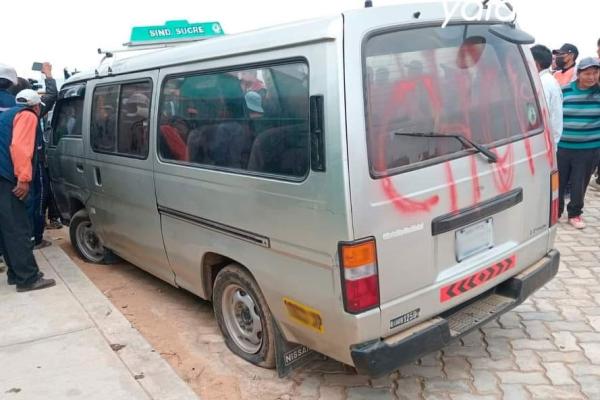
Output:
[[290, 356]]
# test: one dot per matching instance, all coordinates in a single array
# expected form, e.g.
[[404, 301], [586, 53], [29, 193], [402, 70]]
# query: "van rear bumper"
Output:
[[379, 357]]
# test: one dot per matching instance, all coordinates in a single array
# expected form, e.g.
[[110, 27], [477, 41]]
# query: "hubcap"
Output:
[[242, 319], [89, 243]]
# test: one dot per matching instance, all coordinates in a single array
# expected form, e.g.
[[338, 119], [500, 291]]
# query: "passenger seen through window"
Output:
[[253, 120]]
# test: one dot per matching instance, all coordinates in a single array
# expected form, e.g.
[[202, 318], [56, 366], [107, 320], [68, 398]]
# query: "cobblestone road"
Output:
[[548, 348]]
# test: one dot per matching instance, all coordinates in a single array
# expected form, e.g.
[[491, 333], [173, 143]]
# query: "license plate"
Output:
[[474, 239]]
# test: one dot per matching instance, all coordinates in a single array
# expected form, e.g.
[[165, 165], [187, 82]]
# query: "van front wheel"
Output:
[[85, 241], [244, 317]]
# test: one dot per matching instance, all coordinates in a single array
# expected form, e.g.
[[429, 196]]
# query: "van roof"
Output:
[[296, 33]]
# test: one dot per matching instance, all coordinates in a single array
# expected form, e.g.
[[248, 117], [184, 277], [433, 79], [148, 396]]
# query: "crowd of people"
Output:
[[572, 91], [24, 185]]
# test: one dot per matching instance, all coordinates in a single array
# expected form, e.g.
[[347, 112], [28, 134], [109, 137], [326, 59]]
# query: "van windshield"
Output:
[[455, 80]]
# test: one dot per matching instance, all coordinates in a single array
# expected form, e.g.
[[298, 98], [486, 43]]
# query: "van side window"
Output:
[[134, 108], [67, 119], [103, 130], [120, 119], [253, 120]]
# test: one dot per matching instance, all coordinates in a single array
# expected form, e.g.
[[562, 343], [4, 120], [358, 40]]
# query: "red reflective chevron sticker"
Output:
[[479, 278]]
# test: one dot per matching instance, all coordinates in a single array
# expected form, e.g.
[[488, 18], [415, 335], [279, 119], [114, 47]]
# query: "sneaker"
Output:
[[54, 224], [42, 244], [40, 283], [577, 222]]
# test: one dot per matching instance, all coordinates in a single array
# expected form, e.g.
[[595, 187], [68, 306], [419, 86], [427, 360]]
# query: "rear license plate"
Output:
[[474, 239]]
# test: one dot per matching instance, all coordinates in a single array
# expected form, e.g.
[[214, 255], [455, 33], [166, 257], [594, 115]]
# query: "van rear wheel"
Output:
[[87, 244], [244, 317]]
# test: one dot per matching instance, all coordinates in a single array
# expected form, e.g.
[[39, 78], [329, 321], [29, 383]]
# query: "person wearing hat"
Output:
[[18, 127], [565, 59], [8, 78], [579, 146], [40, 185]]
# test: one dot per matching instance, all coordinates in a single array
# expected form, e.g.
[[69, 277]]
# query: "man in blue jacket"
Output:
[[8, 78], [18, 126]]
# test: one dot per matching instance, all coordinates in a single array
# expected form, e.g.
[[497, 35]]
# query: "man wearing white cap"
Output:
[[18, 127], [8, 77]]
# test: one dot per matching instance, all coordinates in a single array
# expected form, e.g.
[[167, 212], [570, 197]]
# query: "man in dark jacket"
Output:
[[8, 78], [18, 127]]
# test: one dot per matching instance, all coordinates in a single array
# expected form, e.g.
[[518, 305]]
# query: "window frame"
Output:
[[120, 84], [238, 68], [449, 157]]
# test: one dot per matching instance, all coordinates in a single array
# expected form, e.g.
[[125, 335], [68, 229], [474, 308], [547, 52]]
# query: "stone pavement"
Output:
[[547, 348], [69, 342]]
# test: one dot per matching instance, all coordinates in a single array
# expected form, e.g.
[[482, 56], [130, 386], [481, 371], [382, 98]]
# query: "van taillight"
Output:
[[360, 280], [553, 198]]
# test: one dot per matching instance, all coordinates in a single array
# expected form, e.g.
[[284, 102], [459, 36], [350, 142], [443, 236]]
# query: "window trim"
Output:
[[120, 84], [448, 157], [237, 68]]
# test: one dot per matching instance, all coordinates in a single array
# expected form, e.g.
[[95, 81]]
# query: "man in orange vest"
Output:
[[565, 59]]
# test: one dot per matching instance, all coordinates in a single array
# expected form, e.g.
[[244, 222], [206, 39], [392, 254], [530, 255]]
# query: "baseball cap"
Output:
[[567, 48], [28, 97], [588, 62], [254, 102], [9, 73]]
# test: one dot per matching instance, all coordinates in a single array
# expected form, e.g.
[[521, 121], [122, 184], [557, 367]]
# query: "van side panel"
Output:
[[122, 205], [284, 232]]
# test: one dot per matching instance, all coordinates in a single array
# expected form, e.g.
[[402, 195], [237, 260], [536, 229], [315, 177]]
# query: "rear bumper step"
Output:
[[379, 357]]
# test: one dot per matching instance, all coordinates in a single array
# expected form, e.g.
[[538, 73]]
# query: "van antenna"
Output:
[[368, 3]]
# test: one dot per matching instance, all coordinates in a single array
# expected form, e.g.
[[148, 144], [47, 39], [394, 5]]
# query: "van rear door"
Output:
[[419, 100]]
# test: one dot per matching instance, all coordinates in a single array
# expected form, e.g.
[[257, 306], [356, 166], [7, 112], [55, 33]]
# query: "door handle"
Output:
[[97, 177], [79, 168]]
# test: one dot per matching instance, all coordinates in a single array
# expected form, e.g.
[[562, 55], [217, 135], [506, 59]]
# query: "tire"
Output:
[[248, 333], [85, 241]]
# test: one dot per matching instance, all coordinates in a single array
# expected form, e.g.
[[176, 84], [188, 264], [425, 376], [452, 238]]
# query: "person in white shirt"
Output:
[[552, 91]]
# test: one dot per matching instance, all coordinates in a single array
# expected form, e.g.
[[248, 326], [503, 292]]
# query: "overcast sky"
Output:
[[68, 33]]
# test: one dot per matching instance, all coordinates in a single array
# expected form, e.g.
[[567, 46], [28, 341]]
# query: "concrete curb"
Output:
[[159, 380]]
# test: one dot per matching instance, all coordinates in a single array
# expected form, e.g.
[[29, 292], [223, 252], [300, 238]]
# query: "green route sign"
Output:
[[174, 31]]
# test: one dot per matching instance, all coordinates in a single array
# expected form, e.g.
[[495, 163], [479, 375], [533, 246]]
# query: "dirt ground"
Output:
[[183, 329]]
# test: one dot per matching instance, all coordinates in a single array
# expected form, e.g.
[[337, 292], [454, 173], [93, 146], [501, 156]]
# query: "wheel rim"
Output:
[[242, 319], [88, 242]]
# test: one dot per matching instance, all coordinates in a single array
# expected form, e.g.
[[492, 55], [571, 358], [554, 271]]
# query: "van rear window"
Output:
[[442, 81]]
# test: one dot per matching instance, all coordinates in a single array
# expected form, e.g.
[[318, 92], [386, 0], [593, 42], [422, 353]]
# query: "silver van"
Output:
[[369, 186]]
